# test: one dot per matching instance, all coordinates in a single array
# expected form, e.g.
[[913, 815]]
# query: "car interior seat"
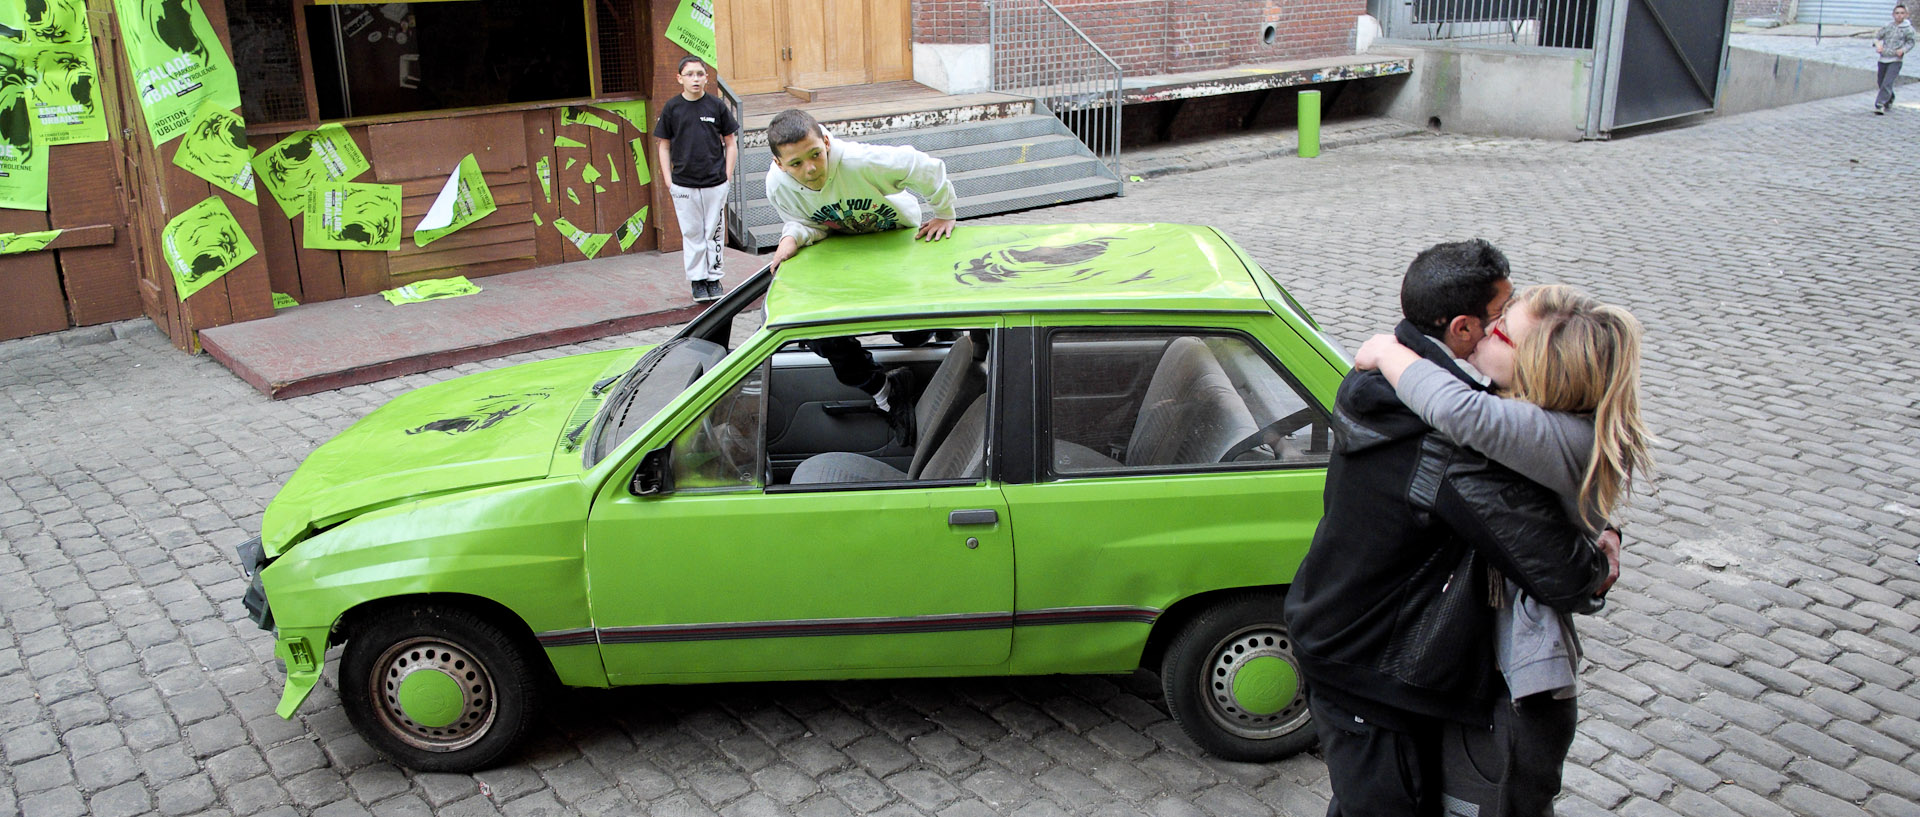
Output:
[[959, 382], [1191, 414]]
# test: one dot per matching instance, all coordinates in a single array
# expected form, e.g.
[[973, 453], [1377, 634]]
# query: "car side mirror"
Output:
[[652, 476]]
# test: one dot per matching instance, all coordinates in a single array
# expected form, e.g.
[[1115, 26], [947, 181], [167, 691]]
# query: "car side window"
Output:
[[1127, 400], [722, 449]]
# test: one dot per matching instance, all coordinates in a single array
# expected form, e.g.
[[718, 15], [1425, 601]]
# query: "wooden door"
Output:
[[828, 41], [752, 45], [890, 38]]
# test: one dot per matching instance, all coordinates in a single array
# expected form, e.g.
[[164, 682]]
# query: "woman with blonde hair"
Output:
[[1567, 416]]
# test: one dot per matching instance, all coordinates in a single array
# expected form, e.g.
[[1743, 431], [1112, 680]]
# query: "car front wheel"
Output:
[[1233, 685], [438, 688]]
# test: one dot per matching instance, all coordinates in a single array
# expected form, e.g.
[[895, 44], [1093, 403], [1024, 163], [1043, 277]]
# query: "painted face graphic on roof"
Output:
[[1036, 265]]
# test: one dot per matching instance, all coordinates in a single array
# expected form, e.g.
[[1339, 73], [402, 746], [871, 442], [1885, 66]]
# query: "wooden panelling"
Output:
[[279, 245], [434, 147], [540, 127], [98, 280], [33, 304], [364, 271], [461, 256]]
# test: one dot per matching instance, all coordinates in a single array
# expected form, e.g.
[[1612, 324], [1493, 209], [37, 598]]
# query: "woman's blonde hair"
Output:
[[1584, 357]]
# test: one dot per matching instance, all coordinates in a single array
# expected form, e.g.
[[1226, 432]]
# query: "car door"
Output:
[[720, 576]]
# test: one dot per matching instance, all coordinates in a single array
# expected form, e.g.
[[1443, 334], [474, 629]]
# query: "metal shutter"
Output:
[[1847, 12]]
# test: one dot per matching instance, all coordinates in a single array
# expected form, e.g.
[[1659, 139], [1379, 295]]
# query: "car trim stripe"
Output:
[[878, 625]]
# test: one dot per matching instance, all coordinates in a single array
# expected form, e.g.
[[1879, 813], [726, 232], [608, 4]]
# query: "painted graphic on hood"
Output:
[[485, 413], [1037, 265]]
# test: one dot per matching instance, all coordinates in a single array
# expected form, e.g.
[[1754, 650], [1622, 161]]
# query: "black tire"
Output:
[[462, 726], [1233, 685]]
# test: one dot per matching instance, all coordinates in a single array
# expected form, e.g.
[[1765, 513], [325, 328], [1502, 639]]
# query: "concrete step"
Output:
[[1019, 145], [1006, 201], [987, 180]]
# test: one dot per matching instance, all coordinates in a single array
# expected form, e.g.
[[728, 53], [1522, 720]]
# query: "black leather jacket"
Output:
[[1390, 609]]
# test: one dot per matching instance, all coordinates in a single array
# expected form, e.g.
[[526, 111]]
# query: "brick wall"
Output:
[[1776, 9], [1168, 36]]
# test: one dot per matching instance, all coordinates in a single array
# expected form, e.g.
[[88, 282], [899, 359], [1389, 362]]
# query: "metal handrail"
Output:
[[736, 215], [1038, 52]]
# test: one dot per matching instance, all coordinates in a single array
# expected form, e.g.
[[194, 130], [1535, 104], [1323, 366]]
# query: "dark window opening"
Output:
[[388, 58]]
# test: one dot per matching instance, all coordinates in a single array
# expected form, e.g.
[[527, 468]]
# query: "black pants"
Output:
[[1376, 771], [852, 364], [1511, 769]]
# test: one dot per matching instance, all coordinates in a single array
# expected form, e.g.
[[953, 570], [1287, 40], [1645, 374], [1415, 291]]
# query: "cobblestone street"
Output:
[[1759, 656]]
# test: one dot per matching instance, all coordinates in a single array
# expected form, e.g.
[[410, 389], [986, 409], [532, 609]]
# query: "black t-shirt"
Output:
[[694, 128]]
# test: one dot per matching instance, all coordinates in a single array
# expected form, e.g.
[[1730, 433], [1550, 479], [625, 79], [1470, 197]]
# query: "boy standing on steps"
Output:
[[820, 185], [697, 148]]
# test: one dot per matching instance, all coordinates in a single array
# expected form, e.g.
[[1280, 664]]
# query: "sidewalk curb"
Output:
[[1174, 165]]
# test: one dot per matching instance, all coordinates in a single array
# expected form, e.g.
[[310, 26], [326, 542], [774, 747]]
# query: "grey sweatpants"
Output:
[[703, 231], [1889, 76]]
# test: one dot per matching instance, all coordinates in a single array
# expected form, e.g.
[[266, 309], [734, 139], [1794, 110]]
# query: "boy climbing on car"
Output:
[[820, 185]]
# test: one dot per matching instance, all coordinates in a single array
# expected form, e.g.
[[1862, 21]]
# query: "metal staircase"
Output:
[[1028, 158]]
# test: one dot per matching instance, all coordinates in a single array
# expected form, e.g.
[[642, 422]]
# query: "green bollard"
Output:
[[1309, 124]]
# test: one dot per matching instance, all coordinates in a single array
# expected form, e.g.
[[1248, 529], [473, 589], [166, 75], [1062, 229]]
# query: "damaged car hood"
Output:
[[484, 429]]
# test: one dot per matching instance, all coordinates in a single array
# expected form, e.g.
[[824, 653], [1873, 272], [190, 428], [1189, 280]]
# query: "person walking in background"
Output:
[[695, 138], [1892, 42], [1573, 425]]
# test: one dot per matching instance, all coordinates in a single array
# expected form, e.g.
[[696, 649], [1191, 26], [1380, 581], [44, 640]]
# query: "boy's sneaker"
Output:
[[714, 288], [1879, 110], [899, 400], [703, 292]]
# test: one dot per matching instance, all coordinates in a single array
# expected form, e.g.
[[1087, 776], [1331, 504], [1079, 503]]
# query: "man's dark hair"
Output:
[[690, 59], [1450, 279], [790, 126]]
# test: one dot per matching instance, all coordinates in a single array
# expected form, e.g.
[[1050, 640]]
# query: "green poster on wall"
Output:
[[178, 63], [55, 22], [202, 244], [635, 111], [66, 107], [305, 157], [23, 157], [589, 243], [282, 300], [564, 142], [215, 148], [571, 115], [16, 243], [692, 28], [431, 290], [629, 232], [464, 200], [613, 169], [640, 173], [352, 216], [544, 169], [591, 174]]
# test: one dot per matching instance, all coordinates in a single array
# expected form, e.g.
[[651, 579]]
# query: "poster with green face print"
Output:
[[178, 63], [464, 200], [544, 169], [23, 154], [305, 157], [215, 148], [571, 115], [692, 28], [589, 243], [635, 111], [16, 243], [629, 232], [351, 216], [66, 105], [201, 244], [55, 22]]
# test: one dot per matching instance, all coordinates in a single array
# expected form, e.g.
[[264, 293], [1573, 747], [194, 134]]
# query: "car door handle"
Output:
[[982, 516]]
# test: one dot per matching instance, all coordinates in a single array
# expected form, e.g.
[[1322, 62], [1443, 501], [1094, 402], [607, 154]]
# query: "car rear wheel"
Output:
[[1233, 685], [438, 688]]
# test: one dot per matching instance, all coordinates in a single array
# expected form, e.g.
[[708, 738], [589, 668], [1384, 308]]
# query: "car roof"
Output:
[[1014, 268]]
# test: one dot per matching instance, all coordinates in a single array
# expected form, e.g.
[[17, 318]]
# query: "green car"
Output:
[[1120, 444]]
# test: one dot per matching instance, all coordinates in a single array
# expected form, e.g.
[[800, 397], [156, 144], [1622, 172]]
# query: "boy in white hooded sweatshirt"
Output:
[[820, 185]]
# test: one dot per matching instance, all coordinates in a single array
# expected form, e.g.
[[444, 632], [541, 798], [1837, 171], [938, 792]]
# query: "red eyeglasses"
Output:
[[1498, 333]]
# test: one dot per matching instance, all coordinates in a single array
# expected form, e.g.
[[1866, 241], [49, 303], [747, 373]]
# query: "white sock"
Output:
[[880, 397]]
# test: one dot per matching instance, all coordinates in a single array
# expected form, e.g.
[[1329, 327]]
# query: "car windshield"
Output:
[[668, 369]]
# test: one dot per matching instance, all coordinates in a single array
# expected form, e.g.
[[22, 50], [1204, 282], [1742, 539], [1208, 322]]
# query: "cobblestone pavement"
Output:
[[1759, 656]]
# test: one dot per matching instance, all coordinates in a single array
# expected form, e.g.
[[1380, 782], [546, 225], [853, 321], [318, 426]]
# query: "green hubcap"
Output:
[[1264, 685], [431, 699]]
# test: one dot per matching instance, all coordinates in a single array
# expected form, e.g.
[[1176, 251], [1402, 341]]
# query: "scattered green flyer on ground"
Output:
[[591, 174], [178, 63], [571, 115], [564, 142], [629, 232], [544, 169], [305, 157], [692, 28], [352, 216], [16, 243], [282, 300], [613, 169], [572, 196], [23, 164], [634, 112], [202, 244], [215, 148], [66, 105], [430, 290], [464, 200], [589, 243], [640, 173]]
